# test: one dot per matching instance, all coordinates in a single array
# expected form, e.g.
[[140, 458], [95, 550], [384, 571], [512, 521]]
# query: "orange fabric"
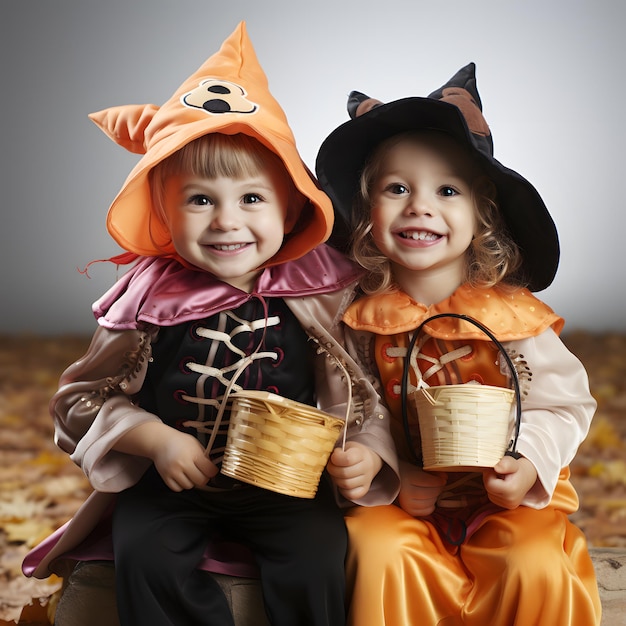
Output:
[[515, 568], [509, 313], [233, 77], [519, 568]]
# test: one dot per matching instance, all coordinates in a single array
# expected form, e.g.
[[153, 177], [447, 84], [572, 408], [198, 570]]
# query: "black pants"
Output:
[[159, 537]]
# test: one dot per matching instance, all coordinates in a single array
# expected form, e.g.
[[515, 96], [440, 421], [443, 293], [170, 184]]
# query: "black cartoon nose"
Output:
[[216, 106]]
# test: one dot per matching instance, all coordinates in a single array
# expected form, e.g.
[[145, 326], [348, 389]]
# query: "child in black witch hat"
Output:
[[443, 228]]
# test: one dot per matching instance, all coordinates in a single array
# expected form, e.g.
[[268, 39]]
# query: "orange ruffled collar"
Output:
[[509, 313]]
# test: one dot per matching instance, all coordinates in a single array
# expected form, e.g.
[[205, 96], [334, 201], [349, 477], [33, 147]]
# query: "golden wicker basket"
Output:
[[463, 427], [278, 444]]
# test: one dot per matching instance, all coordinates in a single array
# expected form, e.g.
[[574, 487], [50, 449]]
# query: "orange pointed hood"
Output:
[[228, 94]]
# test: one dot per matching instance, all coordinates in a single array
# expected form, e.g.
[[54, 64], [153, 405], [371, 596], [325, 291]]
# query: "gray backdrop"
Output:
[[550, 74]]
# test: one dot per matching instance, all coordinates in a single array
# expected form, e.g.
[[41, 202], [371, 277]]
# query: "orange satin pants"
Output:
[[523, 567]]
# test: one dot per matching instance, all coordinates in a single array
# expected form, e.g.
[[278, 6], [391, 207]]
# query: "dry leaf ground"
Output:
[[40, 488]]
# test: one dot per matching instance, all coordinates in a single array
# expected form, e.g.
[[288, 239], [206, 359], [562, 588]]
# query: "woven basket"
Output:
[[278, 444], [463, 427]]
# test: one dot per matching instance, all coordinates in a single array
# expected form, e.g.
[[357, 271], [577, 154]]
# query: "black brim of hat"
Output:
[[344, 153]]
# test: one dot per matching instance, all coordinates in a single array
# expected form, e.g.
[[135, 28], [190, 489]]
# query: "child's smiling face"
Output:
[[227, 226], [423, 213]]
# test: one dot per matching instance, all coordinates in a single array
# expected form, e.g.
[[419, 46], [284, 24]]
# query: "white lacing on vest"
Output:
[[524, 373], [437, 364], [227, 375]]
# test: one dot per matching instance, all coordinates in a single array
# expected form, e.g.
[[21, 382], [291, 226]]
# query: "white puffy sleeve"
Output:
[[557, 408]]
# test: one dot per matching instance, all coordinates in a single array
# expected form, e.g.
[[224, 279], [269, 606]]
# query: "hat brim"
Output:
[[344, 153]]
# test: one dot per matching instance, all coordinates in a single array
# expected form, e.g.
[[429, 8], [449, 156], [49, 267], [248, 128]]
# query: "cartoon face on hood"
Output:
[[228, 94]]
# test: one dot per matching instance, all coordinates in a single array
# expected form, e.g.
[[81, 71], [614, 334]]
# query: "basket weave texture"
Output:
[[278, 444], [463, 427]]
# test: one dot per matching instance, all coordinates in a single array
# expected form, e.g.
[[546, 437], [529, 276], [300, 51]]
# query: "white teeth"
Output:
[[420, 235], [229, 247]]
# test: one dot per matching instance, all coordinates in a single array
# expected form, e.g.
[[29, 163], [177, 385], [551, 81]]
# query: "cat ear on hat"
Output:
[[126, 125], [359, 104], [465, 78], [462, 92]]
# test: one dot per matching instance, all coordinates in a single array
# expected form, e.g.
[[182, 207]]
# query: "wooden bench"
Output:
[[610, 564], [88, 597]]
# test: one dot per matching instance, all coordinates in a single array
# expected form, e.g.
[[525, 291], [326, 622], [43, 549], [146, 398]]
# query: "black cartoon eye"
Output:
[[219, 89]]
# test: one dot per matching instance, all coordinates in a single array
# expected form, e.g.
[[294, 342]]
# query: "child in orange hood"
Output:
[[227, 227]]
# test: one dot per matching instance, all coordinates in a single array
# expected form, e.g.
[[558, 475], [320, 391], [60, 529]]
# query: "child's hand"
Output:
[[353, 469], [419, 490], [178, 457], [181, 462], [509, 481]]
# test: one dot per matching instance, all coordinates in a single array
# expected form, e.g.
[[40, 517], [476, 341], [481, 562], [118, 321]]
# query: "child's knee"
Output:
[[384, 535]]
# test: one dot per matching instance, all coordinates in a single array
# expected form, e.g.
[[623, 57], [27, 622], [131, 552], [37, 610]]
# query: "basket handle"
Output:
[[242, 367], [220, 413], [405, 381]]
